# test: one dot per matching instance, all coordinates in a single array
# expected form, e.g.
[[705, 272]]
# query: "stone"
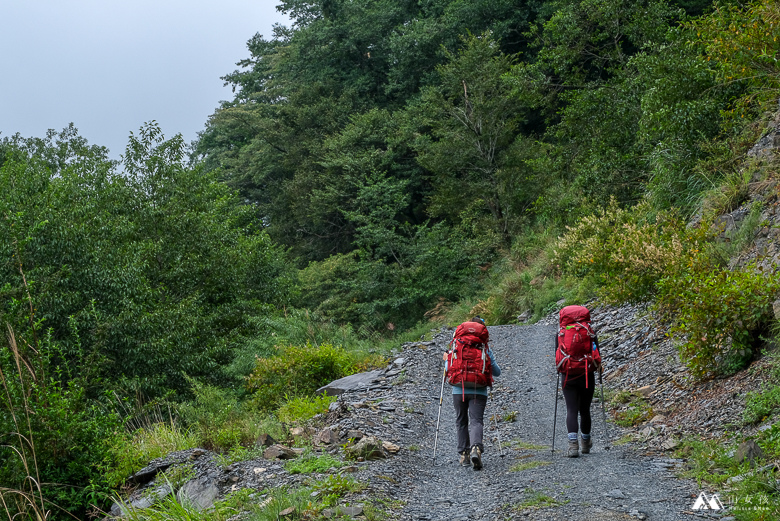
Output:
[[645, 391], [199, 493], [776, 308], [399, 361], [147, 474], [297, 432], [670, 444], [524, 316], [748, 451], [355, 435], [368, 448], [265, 440], [287, 512], [658, 418], [340, 511], [392, 448], [353, 382], [278, 451], [616, 494], [327, 437]]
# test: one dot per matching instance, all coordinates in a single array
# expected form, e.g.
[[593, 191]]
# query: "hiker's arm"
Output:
[[493, 365]]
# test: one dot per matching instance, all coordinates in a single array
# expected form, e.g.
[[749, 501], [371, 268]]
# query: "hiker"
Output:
[[470, 368], [577, 358]]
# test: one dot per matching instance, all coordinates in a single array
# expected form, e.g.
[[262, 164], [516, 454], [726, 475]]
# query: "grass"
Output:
[[630, 408], [309, 463], [528, 465], [711, 463], [302, 408], [534, 500]]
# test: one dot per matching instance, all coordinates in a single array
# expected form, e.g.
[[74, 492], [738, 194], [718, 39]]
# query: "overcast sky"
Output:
[[109, 66]]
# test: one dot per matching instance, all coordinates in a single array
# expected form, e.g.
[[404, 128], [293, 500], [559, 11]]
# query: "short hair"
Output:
[[478, 319]]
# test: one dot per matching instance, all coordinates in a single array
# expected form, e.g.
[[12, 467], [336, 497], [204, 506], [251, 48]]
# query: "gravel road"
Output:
[[521, 478]]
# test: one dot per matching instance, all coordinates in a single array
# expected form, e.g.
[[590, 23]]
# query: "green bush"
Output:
[[718, 314], [134, 451], [302, 408], [221, 422], [299, 371], [623, 251]]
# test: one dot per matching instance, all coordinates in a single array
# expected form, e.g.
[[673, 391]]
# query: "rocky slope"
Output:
[[632, 479]]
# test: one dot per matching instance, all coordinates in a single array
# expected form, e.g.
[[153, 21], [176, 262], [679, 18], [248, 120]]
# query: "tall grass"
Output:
[[26, 500]]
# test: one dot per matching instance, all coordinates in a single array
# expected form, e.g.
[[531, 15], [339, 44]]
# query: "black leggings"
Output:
[[578, 399]]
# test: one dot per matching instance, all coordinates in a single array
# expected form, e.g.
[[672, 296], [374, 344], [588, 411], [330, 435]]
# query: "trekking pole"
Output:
[[441, 399], [604, 412], [555, 414]]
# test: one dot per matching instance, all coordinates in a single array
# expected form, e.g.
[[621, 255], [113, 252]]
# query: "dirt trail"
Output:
[[604, 485]]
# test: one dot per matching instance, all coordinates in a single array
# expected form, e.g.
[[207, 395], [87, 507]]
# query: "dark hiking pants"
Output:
[[469, 412], [578, 399]]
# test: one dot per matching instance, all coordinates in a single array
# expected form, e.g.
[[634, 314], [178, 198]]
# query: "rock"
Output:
[[776, 308], [147, 474], [350, 383], [327, 437], [354, 434], [368, 448], [265, 440], [658, 418], [524, 316], [278, 451], [392, 448], [670, 444], [199, 493], [287, 512], [141, 501], [343, 511], [645, 391], [616, 494], [297, 432], [399, 361], [750, 451]]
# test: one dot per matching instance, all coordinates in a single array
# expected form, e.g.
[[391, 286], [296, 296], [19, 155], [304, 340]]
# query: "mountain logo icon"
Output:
[[704, 502]]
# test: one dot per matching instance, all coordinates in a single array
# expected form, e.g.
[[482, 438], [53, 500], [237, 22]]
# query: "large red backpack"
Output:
[[577, 354], [469, 364]]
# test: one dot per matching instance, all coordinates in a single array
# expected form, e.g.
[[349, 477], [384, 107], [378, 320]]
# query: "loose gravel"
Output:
[[521, 478]]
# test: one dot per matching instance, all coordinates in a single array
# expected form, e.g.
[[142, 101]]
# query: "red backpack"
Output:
[[469, 363], [577, 353]]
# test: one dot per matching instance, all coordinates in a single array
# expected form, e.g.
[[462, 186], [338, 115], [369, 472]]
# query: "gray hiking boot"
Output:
[[586, 445], [465, 460], [476, 457], [574, 449]]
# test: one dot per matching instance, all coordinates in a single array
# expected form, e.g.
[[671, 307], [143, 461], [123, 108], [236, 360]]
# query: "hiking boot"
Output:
[[574, 449], [476, 457], [464, 459], [586, 445]]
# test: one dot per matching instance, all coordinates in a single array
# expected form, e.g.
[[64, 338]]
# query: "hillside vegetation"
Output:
[[382, 164]]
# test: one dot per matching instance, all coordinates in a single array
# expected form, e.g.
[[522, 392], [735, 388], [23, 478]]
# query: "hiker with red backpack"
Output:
[[577, 358], [470, 367]]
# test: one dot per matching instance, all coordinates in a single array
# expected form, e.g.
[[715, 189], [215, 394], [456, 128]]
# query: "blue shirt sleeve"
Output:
[[493, 365]]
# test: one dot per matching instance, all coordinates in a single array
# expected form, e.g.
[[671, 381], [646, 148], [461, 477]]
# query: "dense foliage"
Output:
[[380, 159]]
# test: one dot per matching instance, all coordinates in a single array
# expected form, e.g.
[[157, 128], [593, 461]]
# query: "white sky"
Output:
[[108, 66]]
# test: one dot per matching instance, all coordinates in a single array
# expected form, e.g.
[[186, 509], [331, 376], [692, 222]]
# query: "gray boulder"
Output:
[[351, 383]]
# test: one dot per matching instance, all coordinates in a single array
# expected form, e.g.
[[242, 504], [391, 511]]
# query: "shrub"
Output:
[[223, 423], [717, 313], [625, 253], [132, 452], [299, 371], [302, 408]]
